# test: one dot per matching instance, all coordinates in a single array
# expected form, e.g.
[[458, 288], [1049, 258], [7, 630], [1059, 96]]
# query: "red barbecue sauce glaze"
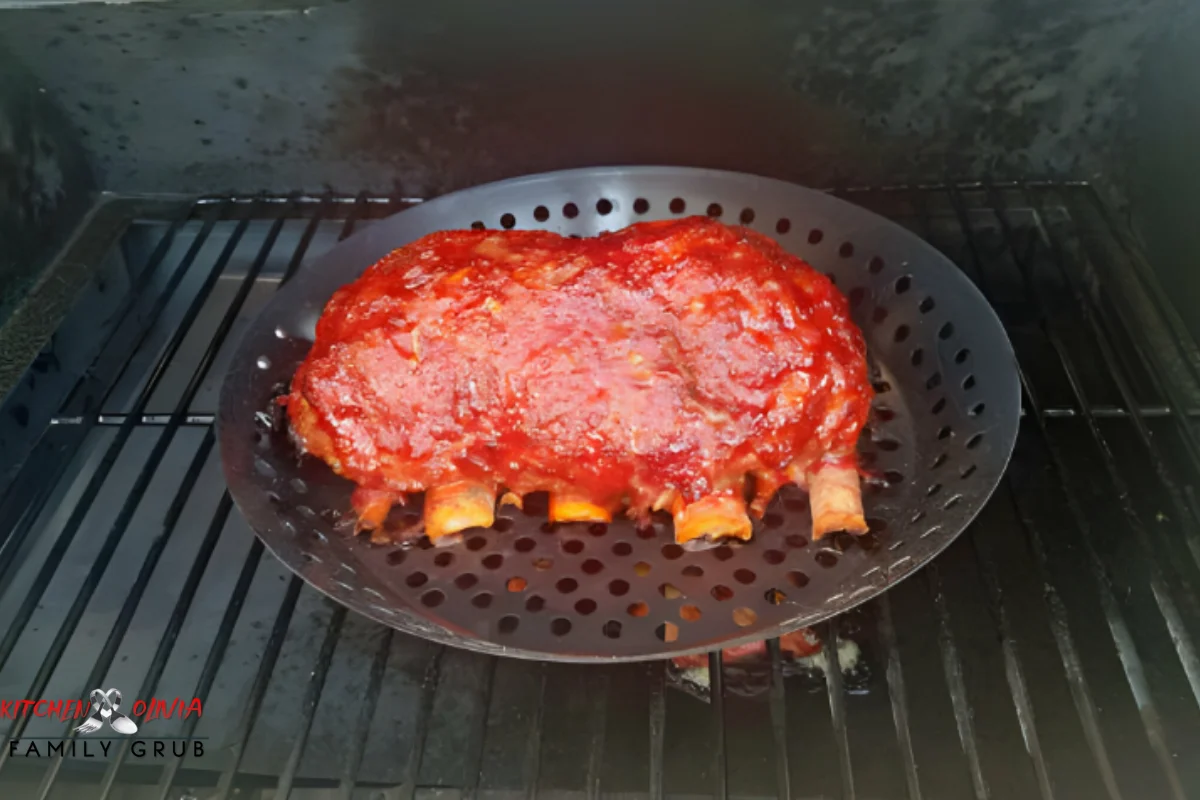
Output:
[[673, 355]]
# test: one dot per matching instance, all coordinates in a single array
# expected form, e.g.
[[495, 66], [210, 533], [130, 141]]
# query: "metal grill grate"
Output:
[[1050, 652]]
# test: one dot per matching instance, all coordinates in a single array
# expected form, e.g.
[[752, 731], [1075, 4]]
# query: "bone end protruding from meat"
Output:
[[457, 506], [372, 507], [714, 516], [835, 495], [566, 507]]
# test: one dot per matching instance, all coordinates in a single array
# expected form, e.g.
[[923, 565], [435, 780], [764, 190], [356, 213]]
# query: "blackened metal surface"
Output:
[[1050, 656], [944, 419], [46, 186], [211, 95]]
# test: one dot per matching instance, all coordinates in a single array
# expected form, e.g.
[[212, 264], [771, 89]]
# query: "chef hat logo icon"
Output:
[[106, 709]]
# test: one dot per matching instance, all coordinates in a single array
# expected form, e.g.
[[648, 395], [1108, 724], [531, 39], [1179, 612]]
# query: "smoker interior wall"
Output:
[[421, 98], [45, 183]]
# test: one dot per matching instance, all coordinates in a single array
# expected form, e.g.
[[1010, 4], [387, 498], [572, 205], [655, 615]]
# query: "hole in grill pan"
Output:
[[797, 579], [585, 606], [744, 617], [826, 558]]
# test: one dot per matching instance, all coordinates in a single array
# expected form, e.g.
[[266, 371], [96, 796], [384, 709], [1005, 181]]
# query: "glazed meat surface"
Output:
[[651, 368]]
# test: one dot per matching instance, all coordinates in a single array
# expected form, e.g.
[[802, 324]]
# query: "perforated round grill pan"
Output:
[[943, 425]]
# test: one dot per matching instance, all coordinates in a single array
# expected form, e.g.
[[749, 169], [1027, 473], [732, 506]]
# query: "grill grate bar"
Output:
[[478, 740], [658, 727], [778, 711], [171, 634], [952, 665], [837, 707], [17, 536], [258, 691], [312, 696], [366, 713], [1013, 671], [212, 663], [121, 625], [898, 697], [429, 684], [532, 768], [1185, 344], [599, 719], [1081, 693], [327, 198], [30, 499], [1103, 337], [129, 508], [283, 620], [1158, 580], [1118, 627], [112, 539], [716, 677]]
